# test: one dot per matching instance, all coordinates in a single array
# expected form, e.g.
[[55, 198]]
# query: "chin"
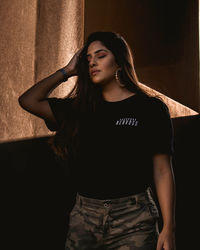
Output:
[[99, 81], [96, 81]]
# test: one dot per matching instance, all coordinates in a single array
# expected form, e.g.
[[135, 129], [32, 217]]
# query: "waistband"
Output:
[[143, 197]]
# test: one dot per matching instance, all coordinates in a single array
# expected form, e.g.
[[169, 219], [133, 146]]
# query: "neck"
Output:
[[114, 92]]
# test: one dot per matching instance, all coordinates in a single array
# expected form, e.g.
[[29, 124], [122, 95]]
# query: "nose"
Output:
[[92, 62]]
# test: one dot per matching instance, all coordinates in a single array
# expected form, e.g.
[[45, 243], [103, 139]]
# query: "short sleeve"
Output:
[[161, 128], [61, 107]]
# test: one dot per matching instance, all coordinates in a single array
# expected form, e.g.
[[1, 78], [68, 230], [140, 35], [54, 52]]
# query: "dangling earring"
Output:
[[117, 78]]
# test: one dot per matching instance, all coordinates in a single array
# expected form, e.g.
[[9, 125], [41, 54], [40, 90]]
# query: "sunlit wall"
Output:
[[176, 109], [37, 38], [17, 47]]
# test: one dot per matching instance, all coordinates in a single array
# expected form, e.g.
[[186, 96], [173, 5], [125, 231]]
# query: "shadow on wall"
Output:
[[186, 164], [39, 193]]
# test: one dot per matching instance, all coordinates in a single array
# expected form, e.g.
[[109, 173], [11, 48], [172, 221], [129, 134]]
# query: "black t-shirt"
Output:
[[118, 142]]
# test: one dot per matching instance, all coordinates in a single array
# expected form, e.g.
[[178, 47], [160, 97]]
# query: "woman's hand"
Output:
[[166, 240], [71, 66]]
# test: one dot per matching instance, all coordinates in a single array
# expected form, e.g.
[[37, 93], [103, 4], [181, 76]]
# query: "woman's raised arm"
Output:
[[33, 99]]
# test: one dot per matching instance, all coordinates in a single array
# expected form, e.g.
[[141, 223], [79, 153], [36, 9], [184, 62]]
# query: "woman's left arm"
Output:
[[165, 189]]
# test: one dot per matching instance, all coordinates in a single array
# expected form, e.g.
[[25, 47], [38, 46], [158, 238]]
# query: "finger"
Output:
[[159, 245], [168, 246]]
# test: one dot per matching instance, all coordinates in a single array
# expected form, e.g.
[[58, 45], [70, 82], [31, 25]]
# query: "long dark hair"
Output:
[[86, 95]]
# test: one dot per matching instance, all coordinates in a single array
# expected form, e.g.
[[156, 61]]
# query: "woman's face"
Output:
[[102, 65]]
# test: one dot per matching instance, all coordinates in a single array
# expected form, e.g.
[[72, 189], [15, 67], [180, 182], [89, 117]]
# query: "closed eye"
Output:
[[101, 56], [88, 59]]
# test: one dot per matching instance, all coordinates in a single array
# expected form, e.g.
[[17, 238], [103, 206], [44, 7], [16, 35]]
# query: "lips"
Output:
[[94, 72]]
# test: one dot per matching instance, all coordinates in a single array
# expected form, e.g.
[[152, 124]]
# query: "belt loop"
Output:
[[150, 193], [79, 201]]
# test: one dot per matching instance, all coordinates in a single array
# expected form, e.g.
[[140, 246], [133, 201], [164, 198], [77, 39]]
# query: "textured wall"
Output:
[[17, 47], [60, 32], [164, 40], [37, 38]]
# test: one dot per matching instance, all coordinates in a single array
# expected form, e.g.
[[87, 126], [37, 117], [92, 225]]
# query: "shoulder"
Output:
[[157, 104], [153, 106], [151, 102], [62, 102], [60, 105]]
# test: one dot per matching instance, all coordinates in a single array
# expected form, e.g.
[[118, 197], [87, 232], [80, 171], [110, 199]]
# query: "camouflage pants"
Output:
[[127, 223]]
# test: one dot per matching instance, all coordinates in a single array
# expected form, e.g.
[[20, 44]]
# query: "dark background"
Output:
[[38, 193]]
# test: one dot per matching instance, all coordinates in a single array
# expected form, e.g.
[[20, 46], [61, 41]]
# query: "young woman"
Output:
[[119, 143]]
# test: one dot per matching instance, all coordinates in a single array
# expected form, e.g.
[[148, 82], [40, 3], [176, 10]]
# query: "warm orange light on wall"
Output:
[[176, 109]]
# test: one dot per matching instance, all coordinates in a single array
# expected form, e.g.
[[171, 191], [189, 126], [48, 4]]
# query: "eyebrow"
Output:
[[97, 51]]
